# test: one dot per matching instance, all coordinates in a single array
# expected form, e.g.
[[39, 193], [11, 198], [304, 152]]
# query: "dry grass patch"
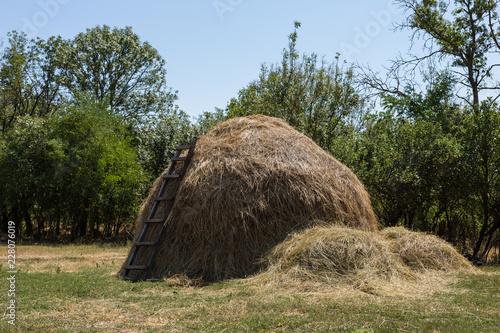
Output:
[[71, 258]]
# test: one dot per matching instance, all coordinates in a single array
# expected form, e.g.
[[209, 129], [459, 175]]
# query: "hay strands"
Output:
[[158, 200]]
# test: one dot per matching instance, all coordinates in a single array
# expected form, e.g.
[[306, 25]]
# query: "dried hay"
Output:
[[421, 251], [182, 280], [390, 261], [251, 182]]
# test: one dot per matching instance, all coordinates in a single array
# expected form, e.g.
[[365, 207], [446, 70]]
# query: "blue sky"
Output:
[[213, 48]]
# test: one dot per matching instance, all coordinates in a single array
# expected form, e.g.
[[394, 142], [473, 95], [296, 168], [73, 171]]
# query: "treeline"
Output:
[[85, 124], [88, 123]]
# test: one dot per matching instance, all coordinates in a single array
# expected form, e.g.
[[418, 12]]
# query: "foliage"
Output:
[[28, 164], [432, 164], [111, 65], [207, 120], [159, 138], [408, 167], [102, 177], [467, 32], [481, 142], [75, 115], [76, 169], [437, 105], [117, 68], [29, 79]]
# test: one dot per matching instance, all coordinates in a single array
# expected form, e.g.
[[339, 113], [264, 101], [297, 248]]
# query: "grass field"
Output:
[[74, 289]]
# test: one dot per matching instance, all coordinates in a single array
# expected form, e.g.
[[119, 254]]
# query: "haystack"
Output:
[[391, 261], [251, 182]]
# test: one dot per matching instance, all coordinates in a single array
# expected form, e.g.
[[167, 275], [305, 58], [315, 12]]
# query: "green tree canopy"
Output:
[[75, 169], [112, 65], [159, 138], [29, 161], [116, 67], [29, 79], [102, 177], [437, 104]]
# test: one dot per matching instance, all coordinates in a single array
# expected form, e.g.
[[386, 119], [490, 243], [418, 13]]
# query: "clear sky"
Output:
[[213, 48]]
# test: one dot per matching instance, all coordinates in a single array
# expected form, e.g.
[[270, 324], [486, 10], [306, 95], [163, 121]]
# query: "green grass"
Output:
[[73, 289]]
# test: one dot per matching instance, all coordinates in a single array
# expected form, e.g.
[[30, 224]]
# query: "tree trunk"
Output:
[[480, 239], [29, 223], [5, 220], [82, 223], [58, 222], [40, 226], [474, 86], [490, 233], [452, 228]]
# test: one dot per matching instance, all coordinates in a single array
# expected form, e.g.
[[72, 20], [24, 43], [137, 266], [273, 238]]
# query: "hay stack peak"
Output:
[[251, 182]]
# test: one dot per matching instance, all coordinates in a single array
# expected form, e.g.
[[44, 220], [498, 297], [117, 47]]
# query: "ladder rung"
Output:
[[136, 267], [154, 221], [145, 243], [169, 198], [182, 147], [171, 176], [180, 158]]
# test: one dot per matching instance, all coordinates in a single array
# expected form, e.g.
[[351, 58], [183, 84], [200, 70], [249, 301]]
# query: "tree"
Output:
[[113, 65], [461, 192], [159, 138], [467, 32], [102, 181], [116, 68], [29, 79], [28, 163], [437, 104], [207, 120], [317, 98], [74, 116], [407, 166], [481, 140], [470, 37], [75, 169]]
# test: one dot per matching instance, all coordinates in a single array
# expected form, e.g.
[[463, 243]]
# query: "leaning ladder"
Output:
[[161, 197]]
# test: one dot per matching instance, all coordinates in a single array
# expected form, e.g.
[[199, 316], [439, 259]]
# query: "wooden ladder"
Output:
[[161, 197]]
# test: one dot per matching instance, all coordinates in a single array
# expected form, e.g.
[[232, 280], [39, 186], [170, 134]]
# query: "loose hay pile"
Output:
[[363, 260], [251, 182], [421, 252]]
